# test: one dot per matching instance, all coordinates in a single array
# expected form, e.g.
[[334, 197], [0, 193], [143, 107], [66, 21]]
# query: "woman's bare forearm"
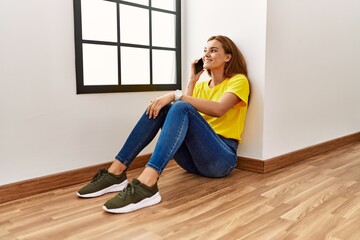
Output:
[[212, 108]]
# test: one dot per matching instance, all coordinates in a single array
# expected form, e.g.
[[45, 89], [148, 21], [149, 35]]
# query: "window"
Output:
[[125, 46]]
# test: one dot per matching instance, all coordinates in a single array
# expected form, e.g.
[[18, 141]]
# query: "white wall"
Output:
[[244, 21], [312, 87], [45, 127]]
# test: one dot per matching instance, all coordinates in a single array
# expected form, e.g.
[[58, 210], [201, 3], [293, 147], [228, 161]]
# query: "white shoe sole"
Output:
[[113, 188], [155, 199]]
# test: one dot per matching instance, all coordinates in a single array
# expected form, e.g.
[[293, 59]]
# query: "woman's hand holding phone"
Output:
[[196, 70], [199, 66]]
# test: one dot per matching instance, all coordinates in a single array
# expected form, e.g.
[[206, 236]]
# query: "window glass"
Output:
[[164, 4], [100, 65], [99, 20], [164, 67], [163, 29], [135, 66], [127, 45], [134, 25]]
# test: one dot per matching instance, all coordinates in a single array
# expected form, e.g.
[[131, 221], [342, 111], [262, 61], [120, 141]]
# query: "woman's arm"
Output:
[[156, 105], [211, 108], [190, 88]]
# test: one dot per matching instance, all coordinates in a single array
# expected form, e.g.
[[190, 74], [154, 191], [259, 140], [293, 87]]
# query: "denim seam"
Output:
[[154, 167], [123, 161]]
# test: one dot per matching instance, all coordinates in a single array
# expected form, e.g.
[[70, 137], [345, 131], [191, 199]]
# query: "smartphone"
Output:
[[199, 66]]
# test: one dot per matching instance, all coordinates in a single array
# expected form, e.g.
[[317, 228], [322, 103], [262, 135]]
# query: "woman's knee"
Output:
[[182, 105]]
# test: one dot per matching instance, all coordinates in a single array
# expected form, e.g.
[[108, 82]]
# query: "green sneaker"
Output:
[[135, 196], [103, 182]]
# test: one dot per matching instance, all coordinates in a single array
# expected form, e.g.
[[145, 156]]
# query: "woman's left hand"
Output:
[[156, 105]]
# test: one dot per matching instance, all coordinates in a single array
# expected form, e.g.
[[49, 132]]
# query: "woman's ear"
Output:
[[228, 57]]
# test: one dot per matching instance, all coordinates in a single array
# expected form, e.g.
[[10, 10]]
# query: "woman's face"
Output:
[[214, 56]]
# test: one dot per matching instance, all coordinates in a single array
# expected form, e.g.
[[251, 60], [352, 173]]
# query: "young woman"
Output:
[[200, 129]]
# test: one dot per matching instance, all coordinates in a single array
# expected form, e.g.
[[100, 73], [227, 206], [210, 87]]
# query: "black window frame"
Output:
[[83, 89]]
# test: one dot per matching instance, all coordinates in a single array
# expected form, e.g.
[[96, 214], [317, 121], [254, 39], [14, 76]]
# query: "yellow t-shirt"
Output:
[[231, 124]]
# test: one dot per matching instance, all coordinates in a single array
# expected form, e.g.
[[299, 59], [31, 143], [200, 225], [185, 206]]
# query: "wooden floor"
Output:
[[318, 198]]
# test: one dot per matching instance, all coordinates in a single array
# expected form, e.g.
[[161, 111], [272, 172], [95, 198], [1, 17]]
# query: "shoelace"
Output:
[[130, 189], [99, 175]]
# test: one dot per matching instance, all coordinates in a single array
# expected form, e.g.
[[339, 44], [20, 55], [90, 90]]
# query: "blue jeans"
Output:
[[186, 137]]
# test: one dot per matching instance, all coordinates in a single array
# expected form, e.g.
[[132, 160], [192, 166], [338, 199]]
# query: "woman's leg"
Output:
[[205, 163], [188, 137], [114, 179], [215, 158], [142, 134], [206, 153]]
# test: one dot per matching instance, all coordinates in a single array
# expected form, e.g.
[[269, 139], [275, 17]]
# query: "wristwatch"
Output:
[[178, 95]]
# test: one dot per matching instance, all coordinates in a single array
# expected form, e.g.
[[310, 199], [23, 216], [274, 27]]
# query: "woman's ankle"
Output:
[[117, 168], [149, 177]]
